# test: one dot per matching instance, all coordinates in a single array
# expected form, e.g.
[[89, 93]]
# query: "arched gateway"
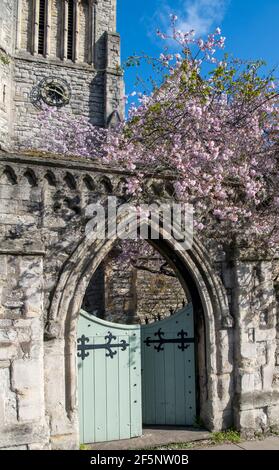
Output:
[[209, 308]]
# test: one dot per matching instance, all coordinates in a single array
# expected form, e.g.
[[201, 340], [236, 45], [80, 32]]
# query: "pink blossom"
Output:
[[217, 150]]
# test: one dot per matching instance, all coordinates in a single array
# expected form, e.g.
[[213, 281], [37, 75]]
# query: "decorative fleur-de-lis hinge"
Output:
[[84, 347], [182, 340]]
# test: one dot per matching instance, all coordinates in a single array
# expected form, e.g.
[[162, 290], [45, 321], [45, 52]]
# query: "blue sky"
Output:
[[251, 27]]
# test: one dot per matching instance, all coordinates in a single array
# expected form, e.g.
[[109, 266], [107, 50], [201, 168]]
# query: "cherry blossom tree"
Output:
[[210, 124], [141, 255]]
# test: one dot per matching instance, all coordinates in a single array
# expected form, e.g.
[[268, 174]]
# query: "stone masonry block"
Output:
[[273, 417], [8, 400], [27, 380], [8, 351]]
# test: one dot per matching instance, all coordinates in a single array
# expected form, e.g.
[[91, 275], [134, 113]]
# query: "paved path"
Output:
[[156, 437], [153, 438], [270, 443]]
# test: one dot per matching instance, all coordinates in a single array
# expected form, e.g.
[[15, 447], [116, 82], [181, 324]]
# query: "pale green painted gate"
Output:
[[109, 380], [168, 370]]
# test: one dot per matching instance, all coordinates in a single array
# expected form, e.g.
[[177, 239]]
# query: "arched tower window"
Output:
[[41, 27], [71, 20]]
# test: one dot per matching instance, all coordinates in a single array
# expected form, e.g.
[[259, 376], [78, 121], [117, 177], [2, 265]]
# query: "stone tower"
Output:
[[61, 52]]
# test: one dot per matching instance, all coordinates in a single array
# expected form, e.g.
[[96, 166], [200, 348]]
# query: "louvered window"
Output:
[[41, 31], [70, 43]]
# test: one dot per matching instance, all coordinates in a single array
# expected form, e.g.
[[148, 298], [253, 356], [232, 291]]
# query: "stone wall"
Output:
[[257, 390], [87, 89], [25, 26], [7, 37], [7, 25], [158, 295], [126, 294], [5, 99], [22, 409], [132, 294]]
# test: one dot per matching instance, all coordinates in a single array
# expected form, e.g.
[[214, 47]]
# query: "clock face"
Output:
[[54, 91]]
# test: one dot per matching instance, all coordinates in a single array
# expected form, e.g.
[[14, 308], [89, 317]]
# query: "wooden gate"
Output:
[[168, 370], [109, 380]]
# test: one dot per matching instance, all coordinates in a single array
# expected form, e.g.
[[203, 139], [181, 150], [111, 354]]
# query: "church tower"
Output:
[[64, 53]]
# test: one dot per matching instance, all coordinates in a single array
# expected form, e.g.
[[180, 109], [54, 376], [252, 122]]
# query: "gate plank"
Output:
[[88, 396], [81, 401], [190, 398], [124, 394], [149, 384], [100, 385], [170, 384], [135, 384], [112, 396], [179, 372], [159, 392]]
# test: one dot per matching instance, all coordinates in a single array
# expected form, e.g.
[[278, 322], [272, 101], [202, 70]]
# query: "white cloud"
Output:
[[200, 15]]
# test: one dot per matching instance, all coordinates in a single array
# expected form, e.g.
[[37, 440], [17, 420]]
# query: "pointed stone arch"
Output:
[[9, 175], [195, 273]]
